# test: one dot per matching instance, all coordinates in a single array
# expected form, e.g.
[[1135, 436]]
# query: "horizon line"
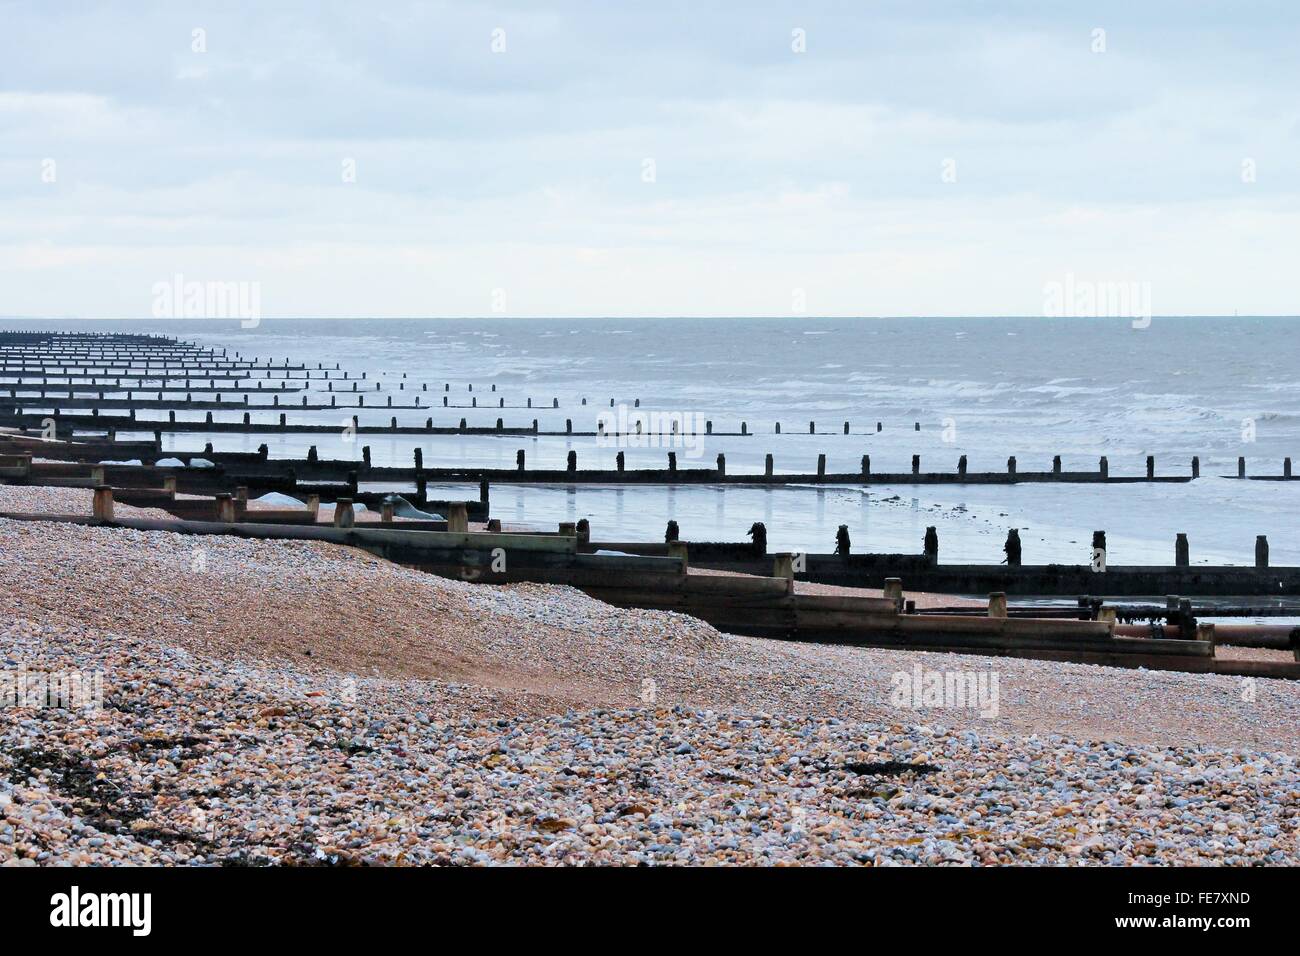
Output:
[[642, 317]]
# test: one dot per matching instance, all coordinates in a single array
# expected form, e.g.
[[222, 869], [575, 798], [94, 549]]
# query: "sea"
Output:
[[986, 388]]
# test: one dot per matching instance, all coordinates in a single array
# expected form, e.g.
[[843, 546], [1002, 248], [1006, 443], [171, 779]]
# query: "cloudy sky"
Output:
[[587, 159]]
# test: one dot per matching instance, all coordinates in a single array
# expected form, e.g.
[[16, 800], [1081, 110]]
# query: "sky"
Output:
[[386, 159]]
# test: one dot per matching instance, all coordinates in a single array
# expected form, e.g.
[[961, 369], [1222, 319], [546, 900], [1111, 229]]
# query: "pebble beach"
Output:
[[298, 703]]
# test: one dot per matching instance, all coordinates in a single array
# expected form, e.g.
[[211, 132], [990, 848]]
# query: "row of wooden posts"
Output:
[[457, 517], [930, 546]]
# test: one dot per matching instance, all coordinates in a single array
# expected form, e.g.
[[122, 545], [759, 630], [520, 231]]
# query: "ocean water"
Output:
[[987, 388]]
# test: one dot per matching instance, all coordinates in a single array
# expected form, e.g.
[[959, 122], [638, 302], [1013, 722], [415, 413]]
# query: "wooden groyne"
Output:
[[765, 606], [924, 572], [271, 470]]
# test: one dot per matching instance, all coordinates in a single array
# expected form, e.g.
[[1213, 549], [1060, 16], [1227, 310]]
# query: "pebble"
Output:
[[440, 722]]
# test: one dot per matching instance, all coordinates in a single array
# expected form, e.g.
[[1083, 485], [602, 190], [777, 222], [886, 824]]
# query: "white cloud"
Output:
[[523, 170]]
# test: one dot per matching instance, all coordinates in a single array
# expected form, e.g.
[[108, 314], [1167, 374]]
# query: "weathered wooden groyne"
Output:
[[924, 572], [766, 606], [270, 469]]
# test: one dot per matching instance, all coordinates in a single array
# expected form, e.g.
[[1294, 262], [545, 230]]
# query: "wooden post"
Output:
[[1011, 465], [1099, 551], [1172, 610], [1104, 467], [1151, 466], [1196, 466], [783, 566], [894, 590], [97, 474], [568, 529], [722, 465], [573, 461], [1182, 554], [677, 549], [998, 604], [812, 428], [1241, 467], [1013, 548], [1205, 632], [931, 544], [767, 466], [226, 508], [241, 494], [494, 525], [1261, 551], [846, 428], [1286, 467], [821, 466], [344, 515], [620, 462], [961, 465], [101, 505], [1107, 615], [866, 464], [1056, 464], [313, 505], [672, 461], [169, 485], [916, 464], [457, 517]]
